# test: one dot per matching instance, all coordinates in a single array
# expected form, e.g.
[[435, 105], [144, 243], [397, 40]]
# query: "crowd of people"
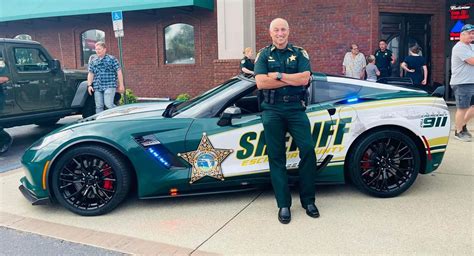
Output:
[[372, 67]]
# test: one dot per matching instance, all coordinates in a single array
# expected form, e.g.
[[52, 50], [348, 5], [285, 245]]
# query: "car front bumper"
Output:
[[28, 194]]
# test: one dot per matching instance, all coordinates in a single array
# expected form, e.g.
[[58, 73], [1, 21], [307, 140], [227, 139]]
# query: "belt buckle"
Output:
[[286, 98]]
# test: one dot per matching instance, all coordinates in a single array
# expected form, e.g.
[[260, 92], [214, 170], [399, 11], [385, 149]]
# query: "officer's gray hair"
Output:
[[272, 24]]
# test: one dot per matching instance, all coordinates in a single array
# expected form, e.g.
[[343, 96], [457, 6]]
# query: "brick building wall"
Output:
[[143, 47], [326, 28]]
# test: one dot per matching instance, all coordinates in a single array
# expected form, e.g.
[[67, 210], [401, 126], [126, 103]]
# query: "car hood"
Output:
[[136, 109], [125, 113]]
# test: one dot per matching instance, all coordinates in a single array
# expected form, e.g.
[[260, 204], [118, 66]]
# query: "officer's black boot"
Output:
[[284, 215], [312, 210]]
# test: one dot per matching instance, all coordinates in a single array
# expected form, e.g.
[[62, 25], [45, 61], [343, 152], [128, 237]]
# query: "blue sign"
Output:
[[457, 27], [117, 16]]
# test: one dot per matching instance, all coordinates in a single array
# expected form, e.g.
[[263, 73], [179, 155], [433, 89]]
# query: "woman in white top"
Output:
[[354, 63]]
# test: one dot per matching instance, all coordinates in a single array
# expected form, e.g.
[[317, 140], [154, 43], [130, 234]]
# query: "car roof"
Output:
[[318, 76], [17, 41]]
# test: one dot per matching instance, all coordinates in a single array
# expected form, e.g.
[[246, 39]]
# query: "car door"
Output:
[[335, 96], [35, 85], [246, 139], [7, 102]]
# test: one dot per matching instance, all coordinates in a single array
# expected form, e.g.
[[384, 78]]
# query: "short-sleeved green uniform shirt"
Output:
[[291, 60], [383, 62], [246, 63]]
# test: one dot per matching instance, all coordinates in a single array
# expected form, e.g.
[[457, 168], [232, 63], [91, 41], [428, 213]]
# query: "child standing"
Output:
[[371, 70]]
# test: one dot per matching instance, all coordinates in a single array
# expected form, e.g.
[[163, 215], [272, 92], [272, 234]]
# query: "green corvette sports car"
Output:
[[377, 135]]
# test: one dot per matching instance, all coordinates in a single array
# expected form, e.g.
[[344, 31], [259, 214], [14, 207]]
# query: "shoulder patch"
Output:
[[305, 54], [256, 57], [242, 61]]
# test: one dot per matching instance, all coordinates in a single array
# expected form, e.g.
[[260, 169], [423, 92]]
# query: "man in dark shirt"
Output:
[[282, 72], [383, 59]]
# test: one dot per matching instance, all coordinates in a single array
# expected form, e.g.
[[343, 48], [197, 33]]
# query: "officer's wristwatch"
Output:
[[279, 76]]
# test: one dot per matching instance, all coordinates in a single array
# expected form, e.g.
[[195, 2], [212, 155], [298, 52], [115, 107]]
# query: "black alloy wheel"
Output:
[[90, 180], [384, 163]]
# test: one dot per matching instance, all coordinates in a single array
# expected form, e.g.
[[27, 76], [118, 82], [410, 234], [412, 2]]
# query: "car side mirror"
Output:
[[228, 114], [55, 65], [439, 92]]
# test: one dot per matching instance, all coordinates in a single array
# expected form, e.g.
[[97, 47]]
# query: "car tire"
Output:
[[47, 122], [384, 163], [90, 180], [89, 108]]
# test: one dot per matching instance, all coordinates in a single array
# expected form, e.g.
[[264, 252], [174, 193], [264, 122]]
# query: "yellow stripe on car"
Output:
[[45, 169]]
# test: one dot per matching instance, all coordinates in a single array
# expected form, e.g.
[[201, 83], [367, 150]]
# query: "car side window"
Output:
[[30, 60], [324, 91], [249, 104], [3, 64]]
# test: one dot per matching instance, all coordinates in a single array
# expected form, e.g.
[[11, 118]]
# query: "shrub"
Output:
[[183, 97], [131, 98]]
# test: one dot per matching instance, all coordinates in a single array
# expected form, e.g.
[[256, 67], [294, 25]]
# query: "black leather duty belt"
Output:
[[289, 98]]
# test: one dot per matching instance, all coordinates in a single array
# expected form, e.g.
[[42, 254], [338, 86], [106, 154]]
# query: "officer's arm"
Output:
[[393, 59], [265, 80], [297, 79], [247, 71], [268, 81]]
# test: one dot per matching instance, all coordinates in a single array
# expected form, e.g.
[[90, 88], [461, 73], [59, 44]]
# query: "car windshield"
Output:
[[210, 102]]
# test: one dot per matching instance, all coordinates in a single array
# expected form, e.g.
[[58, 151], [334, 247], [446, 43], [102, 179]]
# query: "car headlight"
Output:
[[50, 138]]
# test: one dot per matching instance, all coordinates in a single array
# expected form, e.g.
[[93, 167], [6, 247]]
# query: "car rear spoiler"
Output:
[[405, 81]]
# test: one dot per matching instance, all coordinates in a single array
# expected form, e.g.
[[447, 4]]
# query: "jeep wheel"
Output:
[[90, 180]]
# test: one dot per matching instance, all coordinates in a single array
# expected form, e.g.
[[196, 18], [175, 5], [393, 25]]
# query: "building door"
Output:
[[403, 31]]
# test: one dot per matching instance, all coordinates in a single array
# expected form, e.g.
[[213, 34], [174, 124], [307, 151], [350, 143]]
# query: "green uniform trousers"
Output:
[[278, 119]]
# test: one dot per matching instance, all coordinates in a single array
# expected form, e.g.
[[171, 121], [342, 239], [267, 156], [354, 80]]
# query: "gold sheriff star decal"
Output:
[[292, 57], [206, 160]]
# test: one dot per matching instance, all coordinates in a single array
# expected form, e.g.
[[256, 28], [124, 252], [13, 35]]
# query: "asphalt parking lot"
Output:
[[435, 216]]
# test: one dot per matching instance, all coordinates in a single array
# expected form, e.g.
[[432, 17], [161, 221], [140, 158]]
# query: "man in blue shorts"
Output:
[[462, 81]]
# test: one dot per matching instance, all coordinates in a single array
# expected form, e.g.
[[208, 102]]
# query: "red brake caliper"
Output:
[[107, 170], [366, 164]]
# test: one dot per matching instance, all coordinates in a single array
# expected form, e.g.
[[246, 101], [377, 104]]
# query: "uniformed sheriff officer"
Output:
[[383, 59], [282, 72], [246, 64]]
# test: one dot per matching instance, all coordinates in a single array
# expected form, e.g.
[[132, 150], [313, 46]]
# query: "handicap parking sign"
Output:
[[117, 15]]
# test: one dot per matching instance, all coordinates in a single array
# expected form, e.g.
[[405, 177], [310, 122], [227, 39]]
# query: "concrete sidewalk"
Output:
[[435, 216]]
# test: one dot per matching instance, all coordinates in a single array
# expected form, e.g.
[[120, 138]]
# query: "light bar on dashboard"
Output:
[[352, 100]]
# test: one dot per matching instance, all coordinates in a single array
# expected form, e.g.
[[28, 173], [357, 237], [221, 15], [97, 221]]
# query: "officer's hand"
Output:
[[273, 75], [411, 70], [90, 90], [423, 82]]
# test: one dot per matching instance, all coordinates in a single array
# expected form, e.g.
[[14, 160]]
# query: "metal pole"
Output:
[[123, 68]]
